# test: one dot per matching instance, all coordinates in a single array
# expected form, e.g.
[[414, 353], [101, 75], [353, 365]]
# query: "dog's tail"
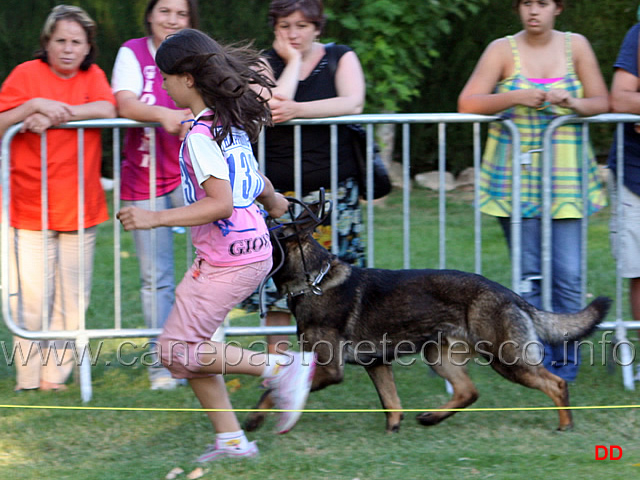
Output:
[[555, 328]]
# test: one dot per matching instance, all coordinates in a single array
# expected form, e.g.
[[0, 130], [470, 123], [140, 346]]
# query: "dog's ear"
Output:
[[314, 210], [320, 209], [313, 214], [309, 216]]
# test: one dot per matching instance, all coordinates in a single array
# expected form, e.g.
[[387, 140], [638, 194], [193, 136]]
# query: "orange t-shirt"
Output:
[[34, 79]]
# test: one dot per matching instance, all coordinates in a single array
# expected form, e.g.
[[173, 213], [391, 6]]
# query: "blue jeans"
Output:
[[163, 261], [566, 294]]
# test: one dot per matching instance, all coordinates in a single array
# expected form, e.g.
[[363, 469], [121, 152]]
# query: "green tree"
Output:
[[604, 23], [416, 54], [21, 22], [396, 41]]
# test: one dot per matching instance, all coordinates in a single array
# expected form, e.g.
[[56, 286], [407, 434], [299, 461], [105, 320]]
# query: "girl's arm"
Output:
[[128, 82], [478, 95], [218, 204], [273, 202], [129, 106], [596, 95]]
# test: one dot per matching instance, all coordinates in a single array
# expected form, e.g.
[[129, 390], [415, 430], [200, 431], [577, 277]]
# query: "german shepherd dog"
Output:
[[371, 316]]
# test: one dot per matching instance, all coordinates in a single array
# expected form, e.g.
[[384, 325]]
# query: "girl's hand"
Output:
[[534, 97], [172, 122], [134, 218], [277, 205], [559, 97]]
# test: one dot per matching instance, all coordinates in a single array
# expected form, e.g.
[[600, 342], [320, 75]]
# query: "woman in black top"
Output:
[[317, 87], [314, 80]]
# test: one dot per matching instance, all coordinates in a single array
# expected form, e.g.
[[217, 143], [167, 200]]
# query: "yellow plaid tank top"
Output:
[[567, 144]]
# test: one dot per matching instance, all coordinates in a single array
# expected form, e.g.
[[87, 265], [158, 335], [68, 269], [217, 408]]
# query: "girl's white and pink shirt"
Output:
[[242, 238]]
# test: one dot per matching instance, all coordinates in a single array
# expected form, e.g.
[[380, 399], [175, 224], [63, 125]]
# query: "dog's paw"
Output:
[[428, 419], [565, 428], [393, 428], [253, 422]]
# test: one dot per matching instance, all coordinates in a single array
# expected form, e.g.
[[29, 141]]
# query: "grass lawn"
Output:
[[131, 432]]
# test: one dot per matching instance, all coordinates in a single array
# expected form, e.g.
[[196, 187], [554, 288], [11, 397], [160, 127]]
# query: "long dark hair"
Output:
[[194, 16], [223, 76], [73, 14]]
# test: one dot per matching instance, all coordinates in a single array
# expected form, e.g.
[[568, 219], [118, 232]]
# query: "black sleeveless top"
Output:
[[316, 157]]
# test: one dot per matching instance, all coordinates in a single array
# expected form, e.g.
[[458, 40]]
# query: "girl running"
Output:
[[224, 88]]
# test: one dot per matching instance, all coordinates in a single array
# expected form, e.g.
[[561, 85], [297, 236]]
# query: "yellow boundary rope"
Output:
[[331, 410]]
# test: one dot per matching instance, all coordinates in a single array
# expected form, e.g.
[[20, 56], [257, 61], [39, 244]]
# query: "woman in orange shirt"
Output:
[[60, 85]]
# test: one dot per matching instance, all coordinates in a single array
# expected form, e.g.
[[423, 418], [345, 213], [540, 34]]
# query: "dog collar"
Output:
[[314, 287]]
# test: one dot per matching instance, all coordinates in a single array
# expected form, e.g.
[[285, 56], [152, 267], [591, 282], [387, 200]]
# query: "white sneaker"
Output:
[[291, 386], [164, 383], [228, 449], [161, 379]]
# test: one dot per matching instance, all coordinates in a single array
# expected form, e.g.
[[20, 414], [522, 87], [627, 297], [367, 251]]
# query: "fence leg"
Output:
[[626, 357], [82, 343], [627, 374], [626, 360]]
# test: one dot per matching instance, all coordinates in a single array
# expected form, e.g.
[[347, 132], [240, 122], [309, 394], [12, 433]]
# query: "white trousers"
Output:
[[51, 303]]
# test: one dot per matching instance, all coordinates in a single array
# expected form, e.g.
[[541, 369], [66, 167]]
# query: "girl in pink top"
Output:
[[223, 87]]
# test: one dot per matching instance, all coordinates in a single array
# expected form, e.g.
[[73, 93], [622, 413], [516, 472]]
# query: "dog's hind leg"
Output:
[[464, 391], [538, 377], [382, 377]]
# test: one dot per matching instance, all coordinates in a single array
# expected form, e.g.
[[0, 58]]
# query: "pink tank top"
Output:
[[136, 152]]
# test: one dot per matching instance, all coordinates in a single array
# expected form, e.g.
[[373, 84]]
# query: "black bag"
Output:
[[381, 181]]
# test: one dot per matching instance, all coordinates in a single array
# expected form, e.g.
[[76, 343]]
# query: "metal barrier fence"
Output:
[[83, 335], [619, 325]]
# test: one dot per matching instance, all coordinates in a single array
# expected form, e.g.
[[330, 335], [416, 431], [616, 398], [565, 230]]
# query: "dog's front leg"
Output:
[[329, 371], [255, 419], [382, 377], [330, 356]]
